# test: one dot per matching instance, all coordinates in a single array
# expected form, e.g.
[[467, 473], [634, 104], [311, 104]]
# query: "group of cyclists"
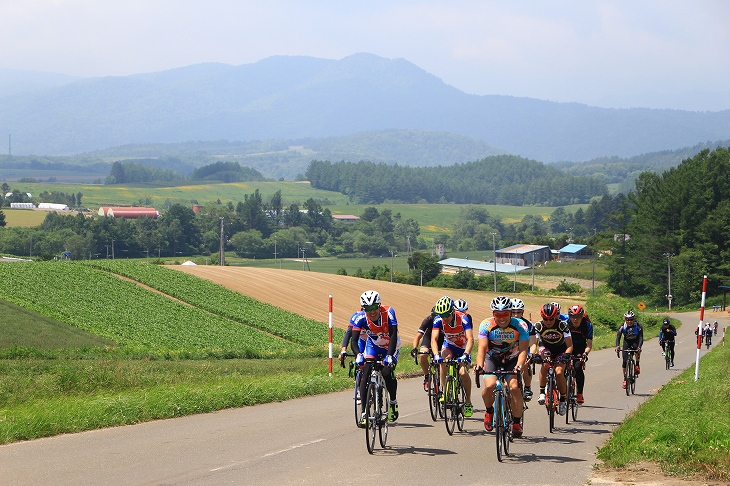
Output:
[[505, 341]]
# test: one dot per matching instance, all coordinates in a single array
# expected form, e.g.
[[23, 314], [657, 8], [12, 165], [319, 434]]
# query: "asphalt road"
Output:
[[314, 440]]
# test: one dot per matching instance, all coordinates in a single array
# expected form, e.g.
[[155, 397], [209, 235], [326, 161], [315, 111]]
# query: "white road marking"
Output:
[[270, 454]]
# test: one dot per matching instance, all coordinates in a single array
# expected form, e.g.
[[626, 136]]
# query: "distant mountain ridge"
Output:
[[295, 97]]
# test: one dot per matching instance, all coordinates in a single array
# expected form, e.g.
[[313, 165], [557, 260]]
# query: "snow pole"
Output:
[[330, 335], [699, 328]]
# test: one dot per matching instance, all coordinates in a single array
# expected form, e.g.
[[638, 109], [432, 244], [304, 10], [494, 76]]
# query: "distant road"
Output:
[[313, 440]]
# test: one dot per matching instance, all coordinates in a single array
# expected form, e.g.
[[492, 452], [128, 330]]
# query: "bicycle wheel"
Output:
[[551, 400], [499, 422], [667, 359], [371, 417], [571, 396], [356, 400], [433, 396], [629, 377], [450, 414], [633, 380], [460, 402], [507, 437], [384, 410], [573, 401]]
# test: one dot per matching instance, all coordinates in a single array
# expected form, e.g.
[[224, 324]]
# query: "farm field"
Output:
[[433, 219]]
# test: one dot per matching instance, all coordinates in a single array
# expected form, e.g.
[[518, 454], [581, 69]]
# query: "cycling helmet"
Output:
[[629, 315], [557, 306], [444, 305], [576, 310], [501, 303], [549, 311], [665, 321], [369, 297], [518, 305], [461, 305]]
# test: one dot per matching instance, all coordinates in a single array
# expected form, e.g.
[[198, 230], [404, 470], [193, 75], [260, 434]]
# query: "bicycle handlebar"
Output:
[[480, 371]]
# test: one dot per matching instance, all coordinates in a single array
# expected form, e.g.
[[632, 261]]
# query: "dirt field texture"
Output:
[[307, 294]]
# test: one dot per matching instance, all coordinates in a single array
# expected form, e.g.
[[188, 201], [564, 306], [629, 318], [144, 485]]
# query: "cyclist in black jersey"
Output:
[[666, 338]]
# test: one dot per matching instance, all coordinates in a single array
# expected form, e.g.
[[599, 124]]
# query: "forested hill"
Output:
[[500, 179]]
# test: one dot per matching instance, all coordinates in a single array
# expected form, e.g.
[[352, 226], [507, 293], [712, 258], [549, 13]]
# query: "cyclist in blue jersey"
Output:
[[633, 335], [502, 345], [458, 337], [581, 330], [348, 336], [380, 325], [554, 340]]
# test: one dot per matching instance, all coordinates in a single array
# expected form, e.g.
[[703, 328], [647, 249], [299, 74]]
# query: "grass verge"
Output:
[[685, 428]]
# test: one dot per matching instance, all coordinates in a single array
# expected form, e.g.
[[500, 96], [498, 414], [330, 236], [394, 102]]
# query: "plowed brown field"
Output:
[[306, 294]]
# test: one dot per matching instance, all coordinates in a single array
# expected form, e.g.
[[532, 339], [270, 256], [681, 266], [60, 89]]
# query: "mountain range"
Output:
[[297, 97]]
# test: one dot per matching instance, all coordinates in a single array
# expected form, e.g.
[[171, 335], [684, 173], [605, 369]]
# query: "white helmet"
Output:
[[461, 305], [518, 305], [369, 297]]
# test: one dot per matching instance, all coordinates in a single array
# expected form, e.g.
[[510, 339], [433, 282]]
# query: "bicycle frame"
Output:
[[630, 371], [378, 403], [502, 421], [454, 397]]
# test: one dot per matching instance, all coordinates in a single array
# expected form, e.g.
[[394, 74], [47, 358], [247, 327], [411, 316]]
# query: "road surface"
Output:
[[314, 441]]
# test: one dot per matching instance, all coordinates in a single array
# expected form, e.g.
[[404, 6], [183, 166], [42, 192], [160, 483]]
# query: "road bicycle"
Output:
[[355, 372], [708, 340], [630, 372], [668, 353], [454, 397], [570, 381], [435, 405], [377, 406], [552, 400], [502, 419]]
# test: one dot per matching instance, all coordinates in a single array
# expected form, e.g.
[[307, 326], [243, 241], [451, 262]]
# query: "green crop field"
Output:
[[433, 219]]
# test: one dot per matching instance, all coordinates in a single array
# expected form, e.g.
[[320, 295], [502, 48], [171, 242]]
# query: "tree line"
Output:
[[496, 180]]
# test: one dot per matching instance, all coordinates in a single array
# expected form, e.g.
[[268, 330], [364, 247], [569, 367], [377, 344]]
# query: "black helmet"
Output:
[[665, 321]]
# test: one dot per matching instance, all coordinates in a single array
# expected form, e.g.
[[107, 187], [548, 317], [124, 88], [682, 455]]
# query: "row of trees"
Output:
[[501, 179], [679, 220]]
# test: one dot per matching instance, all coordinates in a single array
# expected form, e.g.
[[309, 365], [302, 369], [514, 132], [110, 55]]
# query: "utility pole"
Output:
[[494, 257], [669, 278]]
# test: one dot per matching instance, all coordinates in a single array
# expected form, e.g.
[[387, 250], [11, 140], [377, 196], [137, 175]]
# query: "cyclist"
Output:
[[581, 330], [502, 344], [554, 340], [633, 335], [423, 337], [380, 325], [518, 311], [348, 336], [666, 338], [714, 328], [707, 333], [458, 340]]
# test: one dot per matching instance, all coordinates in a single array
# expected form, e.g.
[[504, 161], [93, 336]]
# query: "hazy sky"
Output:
[[657, 53]]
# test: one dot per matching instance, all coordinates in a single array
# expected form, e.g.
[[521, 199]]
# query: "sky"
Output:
[[620, 53]]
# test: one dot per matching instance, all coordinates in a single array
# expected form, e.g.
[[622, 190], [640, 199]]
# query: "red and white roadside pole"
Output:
[[330, 338], [699, 328]]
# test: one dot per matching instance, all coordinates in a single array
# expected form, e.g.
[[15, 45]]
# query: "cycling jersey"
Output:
[[667, 333], [581, 335], [553, 338], [425, 329], [348, 333], [503, 344], [455, 332], [382, 335], [633, 335]]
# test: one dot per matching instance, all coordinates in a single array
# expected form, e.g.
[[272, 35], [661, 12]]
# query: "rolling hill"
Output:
[[294, 97]]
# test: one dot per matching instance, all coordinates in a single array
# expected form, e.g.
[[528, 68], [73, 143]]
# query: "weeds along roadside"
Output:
[[685, 427]]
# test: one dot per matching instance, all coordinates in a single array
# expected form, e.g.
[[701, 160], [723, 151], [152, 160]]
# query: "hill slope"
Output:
[[298, 97]]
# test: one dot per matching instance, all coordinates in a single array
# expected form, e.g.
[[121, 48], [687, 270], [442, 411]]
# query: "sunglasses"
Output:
[[370, 308], [502, 313], [548, 319]]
